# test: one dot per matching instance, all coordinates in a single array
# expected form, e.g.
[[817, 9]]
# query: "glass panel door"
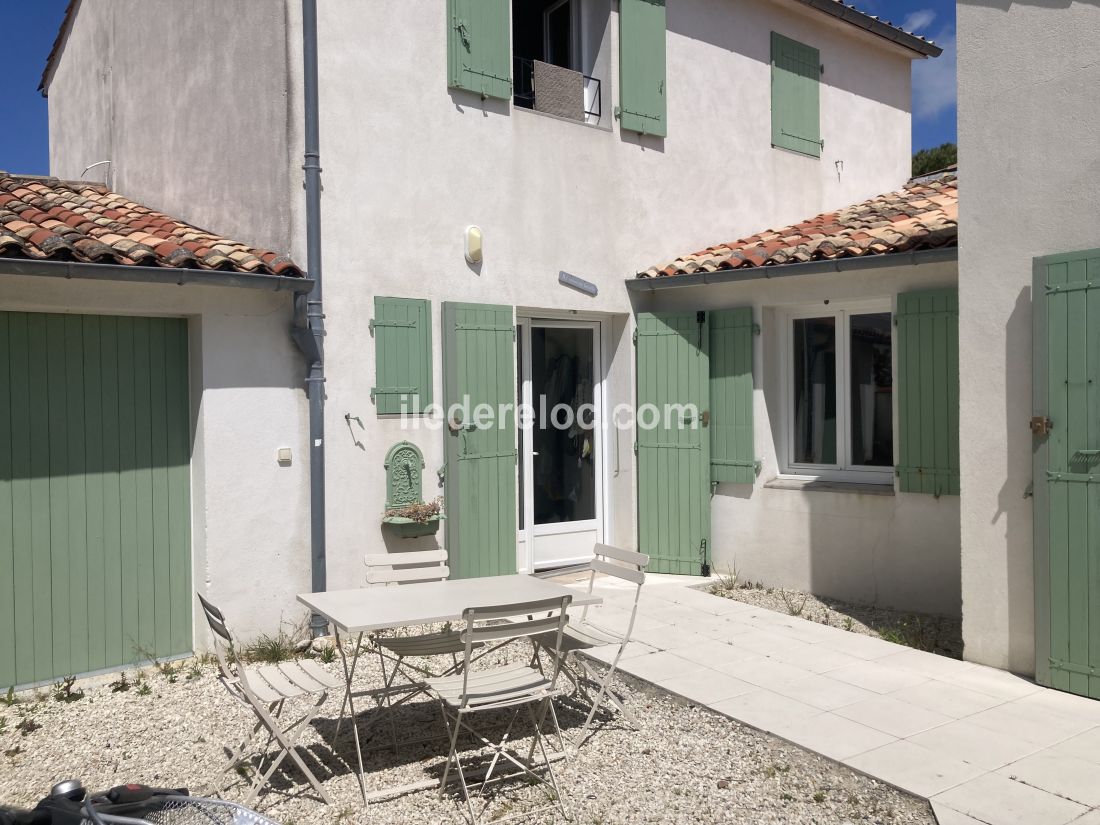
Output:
[[563, 439]]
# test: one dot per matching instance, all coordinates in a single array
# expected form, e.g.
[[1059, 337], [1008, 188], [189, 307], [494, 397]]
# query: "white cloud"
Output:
[[918, 20], [934, 87]]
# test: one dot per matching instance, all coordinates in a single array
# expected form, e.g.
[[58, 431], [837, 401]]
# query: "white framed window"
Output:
[[838, 368]]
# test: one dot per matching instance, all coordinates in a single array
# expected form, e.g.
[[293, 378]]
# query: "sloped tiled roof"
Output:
[[49, 219], [922, 215]]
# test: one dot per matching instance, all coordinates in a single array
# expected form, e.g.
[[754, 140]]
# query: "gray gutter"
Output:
[[855, 17], [309, 327], [77, 271], [759, 273]]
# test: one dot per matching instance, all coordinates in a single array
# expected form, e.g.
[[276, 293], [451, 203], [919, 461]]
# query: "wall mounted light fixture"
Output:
[[473, 246]]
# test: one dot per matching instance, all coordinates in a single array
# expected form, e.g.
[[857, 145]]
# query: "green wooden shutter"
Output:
[[796, 96], [479, 51], [480, 476], [94, 493], [732, 446], [642, 101], [1066, 508], [673, 456], [402, 355], [928, 391]]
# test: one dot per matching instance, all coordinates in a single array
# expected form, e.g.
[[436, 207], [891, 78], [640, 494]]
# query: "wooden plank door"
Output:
[[480, 476], [1067, 471], [95, 551], [673, 369]]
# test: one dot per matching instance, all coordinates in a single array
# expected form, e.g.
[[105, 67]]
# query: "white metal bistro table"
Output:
[[365, 610]]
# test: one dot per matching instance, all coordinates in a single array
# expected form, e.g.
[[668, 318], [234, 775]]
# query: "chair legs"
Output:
[[604, 693], [456, 723], [286, 738]]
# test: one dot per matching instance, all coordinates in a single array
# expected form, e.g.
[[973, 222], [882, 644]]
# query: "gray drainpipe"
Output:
[[309, 320]]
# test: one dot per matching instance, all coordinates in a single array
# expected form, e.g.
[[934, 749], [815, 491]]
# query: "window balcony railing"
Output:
[[555, 90]]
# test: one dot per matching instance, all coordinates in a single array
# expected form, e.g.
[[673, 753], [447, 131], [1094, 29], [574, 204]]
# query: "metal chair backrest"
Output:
[[504, 622], [626, 565], [407, 568], [233, 673]]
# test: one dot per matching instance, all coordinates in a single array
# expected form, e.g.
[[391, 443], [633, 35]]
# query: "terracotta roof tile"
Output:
[[50, 219], [922, 215]]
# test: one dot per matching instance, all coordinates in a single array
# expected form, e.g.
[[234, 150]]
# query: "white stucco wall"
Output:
[[190, 102], [250, 516], [1028, 140], [898, 550]]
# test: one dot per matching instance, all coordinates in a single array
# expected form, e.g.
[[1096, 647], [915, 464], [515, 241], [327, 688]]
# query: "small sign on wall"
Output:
[[579, 284]]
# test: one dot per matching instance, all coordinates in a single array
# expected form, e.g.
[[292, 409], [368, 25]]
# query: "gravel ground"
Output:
[[687, 764], [935, 634]]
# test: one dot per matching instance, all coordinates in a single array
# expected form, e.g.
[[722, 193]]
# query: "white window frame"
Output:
[[843, 470]]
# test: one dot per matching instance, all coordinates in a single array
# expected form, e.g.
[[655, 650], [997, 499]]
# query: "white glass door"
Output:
[[560, 446]]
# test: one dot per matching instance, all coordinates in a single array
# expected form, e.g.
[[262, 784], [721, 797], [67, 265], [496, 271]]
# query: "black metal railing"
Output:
[[523, 89]]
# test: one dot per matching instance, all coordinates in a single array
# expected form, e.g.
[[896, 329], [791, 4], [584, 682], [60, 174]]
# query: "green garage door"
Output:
[[95, 561]]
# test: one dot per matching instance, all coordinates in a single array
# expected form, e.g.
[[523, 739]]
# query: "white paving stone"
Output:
[[1042, 727], [913, 768], [707, 686], [998, 683], [946, 698], [999, 800], [657, 667], [972, 743], [834, 736], [877, 677], [766, 673], [1063, 775], [765, 710], [949, 816], [823, 692], [1083, 746], [892, 716]]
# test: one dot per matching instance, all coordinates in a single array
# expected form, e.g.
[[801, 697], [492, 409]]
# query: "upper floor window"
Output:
[[556, 47], [796, 93]]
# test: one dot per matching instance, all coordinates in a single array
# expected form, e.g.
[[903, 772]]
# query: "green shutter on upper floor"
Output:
[[479, 53], [642, 100], [402, 355], [732, 445], [928, 391], [796, 96]]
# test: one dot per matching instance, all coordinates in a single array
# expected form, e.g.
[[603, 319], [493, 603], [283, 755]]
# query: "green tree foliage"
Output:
[[934, 159]]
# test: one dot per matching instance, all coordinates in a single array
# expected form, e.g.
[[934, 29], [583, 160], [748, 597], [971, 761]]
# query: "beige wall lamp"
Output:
[[473, 244]]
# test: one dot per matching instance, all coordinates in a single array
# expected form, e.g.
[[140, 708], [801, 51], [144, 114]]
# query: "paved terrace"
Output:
[[983, 745]]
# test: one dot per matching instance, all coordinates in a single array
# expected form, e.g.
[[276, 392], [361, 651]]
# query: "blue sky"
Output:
[[32, 26]]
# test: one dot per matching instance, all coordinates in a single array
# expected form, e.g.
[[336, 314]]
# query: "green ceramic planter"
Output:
[[406, 528]]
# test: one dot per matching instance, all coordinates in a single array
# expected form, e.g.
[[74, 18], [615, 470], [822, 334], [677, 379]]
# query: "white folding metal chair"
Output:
[[516, 686], [265, 690], [393, 569], [625, 565]]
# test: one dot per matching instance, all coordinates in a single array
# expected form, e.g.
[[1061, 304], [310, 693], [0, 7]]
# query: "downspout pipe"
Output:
[[309, 328]]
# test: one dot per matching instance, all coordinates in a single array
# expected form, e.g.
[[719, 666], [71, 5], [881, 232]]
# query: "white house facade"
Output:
[[573, 146]]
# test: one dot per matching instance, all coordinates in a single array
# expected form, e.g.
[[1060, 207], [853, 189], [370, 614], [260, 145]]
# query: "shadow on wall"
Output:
[[748, 33], [1014, 508], [468, 102]]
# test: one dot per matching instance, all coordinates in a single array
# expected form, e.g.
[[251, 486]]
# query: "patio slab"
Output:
[[984, 746]]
